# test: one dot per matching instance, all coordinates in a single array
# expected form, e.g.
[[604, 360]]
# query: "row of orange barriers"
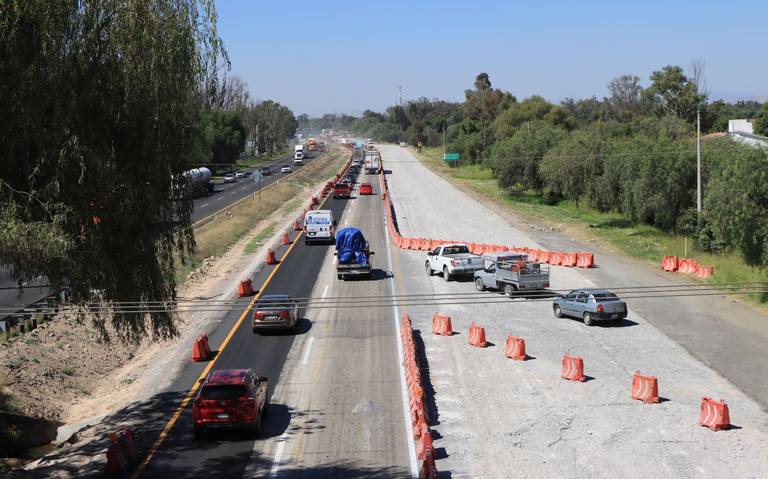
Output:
[[554, 258], [714, 415], [688, 266], [425, 453]]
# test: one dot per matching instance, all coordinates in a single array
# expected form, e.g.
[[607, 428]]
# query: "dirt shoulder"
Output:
[[61, 371]]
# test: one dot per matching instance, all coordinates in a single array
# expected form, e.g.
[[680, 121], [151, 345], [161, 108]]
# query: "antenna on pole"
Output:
[[400, 95]]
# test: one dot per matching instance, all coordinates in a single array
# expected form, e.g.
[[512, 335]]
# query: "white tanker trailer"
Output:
[[200, 180]]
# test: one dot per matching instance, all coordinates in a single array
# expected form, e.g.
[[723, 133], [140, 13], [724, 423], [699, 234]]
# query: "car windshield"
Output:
[[601, 297], [456, 250], [223, 392]]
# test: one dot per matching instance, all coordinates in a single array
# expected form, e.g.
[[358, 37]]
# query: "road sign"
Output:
[[451, 156], [256, 176]]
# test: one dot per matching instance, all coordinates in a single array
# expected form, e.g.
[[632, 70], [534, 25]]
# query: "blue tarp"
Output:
[[350, 244]]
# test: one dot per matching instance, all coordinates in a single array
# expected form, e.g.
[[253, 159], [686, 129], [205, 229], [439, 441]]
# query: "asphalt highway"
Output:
[[336, 407], [227, 193]]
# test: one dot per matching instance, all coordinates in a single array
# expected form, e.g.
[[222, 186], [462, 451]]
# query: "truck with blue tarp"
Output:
[[353, 257]]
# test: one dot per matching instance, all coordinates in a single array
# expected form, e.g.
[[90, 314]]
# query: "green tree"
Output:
[[761, 120], [99, 104], [530, 109], [485, 103], [224, 135], [625, 100], [673, 92]]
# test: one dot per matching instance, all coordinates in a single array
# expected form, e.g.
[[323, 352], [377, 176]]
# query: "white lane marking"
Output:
[[325, 291], [307, 351], [233, 193], [203, 205], [278, 455], [219, 198], [401, 364]]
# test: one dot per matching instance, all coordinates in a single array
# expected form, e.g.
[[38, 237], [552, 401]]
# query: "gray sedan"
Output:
[[591, 305], [276, 311]]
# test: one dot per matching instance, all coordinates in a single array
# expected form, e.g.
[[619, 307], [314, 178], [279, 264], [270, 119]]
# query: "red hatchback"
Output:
[[366, 189], [230, 398]]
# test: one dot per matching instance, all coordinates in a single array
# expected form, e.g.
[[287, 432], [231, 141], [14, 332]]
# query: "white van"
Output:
[[319, 226]]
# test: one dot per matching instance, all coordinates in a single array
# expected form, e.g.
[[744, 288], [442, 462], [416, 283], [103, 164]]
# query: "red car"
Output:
[[342, 190], [366, 189], [230, 398]]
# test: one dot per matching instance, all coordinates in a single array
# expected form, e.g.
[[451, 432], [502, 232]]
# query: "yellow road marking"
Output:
[[175, 417]]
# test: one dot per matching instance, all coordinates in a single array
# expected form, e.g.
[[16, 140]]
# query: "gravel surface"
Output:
[[496, 417]]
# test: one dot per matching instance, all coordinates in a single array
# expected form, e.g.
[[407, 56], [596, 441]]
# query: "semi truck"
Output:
[[200, 181], [311, 144], [371, 164], [298, 154]]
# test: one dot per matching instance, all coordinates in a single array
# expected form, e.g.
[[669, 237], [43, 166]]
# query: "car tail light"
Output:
[[546, 285], [247, 402], [284, 314], [453, 264], [258, 315], [600, 308]]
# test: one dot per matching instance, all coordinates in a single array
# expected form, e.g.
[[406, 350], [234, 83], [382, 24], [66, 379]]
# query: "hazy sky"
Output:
[[345, 56]]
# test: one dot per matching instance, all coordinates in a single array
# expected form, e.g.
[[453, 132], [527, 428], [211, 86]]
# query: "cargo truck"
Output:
[[353, 257]]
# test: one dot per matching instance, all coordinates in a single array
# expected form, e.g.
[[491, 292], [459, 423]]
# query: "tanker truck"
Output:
[[200, 181]]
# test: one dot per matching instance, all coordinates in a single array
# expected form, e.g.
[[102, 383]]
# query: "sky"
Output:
[[346, 57]]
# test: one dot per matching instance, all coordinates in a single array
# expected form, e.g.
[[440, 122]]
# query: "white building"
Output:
[[741, 126]]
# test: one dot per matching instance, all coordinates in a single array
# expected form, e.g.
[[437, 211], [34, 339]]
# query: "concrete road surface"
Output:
[[336, 405], [496, 417]]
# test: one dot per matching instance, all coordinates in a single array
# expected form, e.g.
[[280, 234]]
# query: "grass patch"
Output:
[[218, 235], [258, 240], [640, 241], [257, 160]]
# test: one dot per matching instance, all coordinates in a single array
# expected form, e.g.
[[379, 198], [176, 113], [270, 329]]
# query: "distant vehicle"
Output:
[[230, 398], [311, 144], [298, 152], [369, 141], [286, 169], [230, 178], [321, 146], [265, 170], [372, 164], [353, 257], [402, 144], [200, 180], [511, 272], [452, 260], [591, 305], [342, 190], [275, 311], [366, 189], [319, 225], [344, 141], [298, 161], [351, 177], [239, 174]]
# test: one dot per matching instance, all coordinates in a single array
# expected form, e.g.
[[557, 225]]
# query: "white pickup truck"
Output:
[[452, 260]]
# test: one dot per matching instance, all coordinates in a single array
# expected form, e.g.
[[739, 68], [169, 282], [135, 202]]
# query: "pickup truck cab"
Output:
[[511, 272], [342, 190], [452, 260]]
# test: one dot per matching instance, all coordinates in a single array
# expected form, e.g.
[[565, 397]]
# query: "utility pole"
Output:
[[698, 161], [400, 95]]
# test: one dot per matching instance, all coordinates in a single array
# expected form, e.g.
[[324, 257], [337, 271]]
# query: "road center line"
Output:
[[307, 351], [203, 205]]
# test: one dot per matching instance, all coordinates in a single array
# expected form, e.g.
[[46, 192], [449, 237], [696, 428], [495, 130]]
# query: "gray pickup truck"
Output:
[[452, 260], [511, 272]]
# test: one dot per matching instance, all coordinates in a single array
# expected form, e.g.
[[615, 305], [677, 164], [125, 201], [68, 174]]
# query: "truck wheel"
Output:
[[429, 269], [446, 274], [509, 290], [558, 312], [588, 319], [479, 284], [338, 276]]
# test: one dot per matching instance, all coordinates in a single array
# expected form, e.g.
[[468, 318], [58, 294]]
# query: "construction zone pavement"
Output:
[[497, 417]]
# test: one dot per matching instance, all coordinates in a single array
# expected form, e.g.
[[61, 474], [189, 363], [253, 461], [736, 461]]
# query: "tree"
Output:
[[484, 103], [675, 93], [530, 109], [224, 135], [271, 123], [761, 120], [100, 103], [625, 99]]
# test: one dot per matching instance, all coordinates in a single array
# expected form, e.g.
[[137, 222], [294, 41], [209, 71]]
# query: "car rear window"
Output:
[[456, 250], [223, 392], [273, 303], [601, 297]]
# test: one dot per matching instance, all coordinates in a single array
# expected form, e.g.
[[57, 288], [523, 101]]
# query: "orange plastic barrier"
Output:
[[645, 388], [477, 336], [573, 368], [424, 446], [669, 263], [121, 452], [705, 271], [534, 254], [200, 349], [714, 415], [286, 239], [585, 260], [543, 256], [315, 201], [569, 259], [296, 226], [515, 348], [687, 265], [441, 324], [555, 258], [246, 288], [271, 256]]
